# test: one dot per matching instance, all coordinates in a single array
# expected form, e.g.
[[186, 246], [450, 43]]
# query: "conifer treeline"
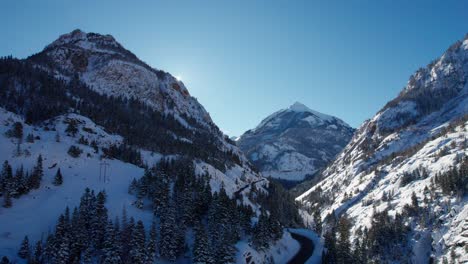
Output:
[[13, 185], [182, 204], [183, 201]]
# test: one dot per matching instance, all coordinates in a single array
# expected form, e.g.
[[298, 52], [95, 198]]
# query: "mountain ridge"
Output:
[[395, 162]]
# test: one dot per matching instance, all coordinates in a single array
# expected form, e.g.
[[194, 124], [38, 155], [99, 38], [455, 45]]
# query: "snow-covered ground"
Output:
[[36, 213]]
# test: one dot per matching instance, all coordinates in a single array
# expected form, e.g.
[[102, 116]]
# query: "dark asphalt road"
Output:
[[305, 252]]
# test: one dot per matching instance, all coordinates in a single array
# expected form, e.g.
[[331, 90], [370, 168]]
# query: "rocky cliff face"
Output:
[[108, 68]]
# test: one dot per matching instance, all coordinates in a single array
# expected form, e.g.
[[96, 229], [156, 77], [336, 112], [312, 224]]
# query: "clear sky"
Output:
[[244, 60]]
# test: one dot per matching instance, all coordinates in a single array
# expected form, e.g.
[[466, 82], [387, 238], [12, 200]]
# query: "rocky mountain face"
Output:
[[397, 170], [295, 142], [108, 68]]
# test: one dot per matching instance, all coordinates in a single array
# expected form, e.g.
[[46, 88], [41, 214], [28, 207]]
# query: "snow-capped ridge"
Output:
[[84, 40], [300, 107]]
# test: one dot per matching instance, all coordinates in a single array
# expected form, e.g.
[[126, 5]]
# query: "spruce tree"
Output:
[[58, 179], [201, 248], [37, 174], [7, 203], [6, 178], [24, 251], [99, 220], [38, 252], [317, 222], [4, 260], [343, 243], [169, 244], [137, 252], [151, 246], [111, 252]]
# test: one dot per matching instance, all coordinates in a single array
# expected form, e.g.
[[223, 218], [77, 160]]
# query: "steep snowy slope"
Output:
[[295, 142], [418, 135]]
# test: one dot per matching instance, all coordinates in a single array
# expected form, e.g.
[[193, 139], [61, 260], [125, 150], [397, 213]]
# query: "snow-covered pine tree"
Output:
[[201, 249], [99, 220], [169, 245], [37, 258], [6, 178], [37, 174], [126, 237], [7, 203], [58, 179], [151, 246], [49, 249], [138, 243], [25, 251], [110, 250]]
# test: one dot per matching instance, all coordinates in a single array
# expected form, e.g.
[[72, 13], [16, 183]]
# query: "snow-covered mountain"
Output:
[[87, 105], [108, 68], [295, 142], [410, 159]]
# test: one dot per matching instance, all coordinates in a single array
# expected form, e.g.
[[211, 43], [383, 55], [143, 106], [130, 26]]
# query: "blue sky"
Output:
[[244, 60]]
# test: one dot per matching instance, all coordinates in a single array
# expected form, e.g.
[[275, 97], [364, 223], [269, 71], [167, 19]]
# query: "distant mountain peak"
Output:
[[295, 142], [299, 107], [302, 108]]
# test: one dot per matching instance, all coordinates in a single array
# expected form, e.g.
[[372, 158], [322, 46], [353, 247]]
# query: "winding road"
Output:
[[306, 250]]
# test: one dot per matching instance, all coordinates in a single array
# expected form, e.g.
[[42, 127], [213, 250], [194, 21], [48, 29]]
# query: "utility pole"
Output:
[[103, 171]]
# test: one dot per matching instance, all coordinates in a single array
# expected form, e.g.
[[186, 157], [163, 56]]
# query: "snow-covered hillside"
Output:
[[418, 135], [295, 142], [35, 213], [88, 107]]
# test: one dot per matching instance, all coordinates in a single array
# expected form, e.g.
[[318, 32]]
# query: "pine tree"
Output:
[[58, 179], [414, 201], [7, 203], [86, 257], [151, 247], [343, 243], [24, 251], [201, 248], [169, 244], [49, 249], [99, 220], [72, 128], [37, 174], [38, 252], [317, 222], [5, 260], [63, 252], [137, 253], [18, 133], [6, 178], [111, 252], [126, 237]]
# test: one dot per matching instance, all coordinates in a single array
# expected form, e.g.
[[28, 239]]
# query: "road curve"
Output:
[[306, 250]]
